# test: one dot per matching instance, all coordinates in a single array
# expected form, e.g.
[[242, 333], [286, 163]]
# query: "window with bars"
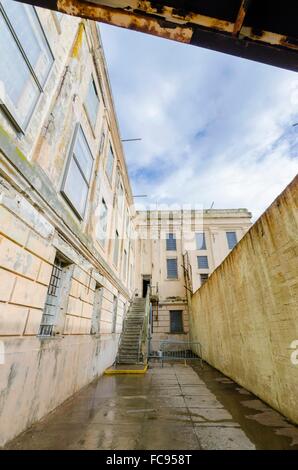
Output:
[[53, 300], [172, 269], [202, 262], [200, 241], [176, 321], [203, 278], [171, 242], [26, 61], [92, 102], [231, 239], [77, 177]]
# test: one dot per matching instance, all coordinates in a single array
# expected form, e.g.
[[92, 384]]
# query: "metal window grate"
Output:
[[51, 305], [171, 242], [172, 270], [203, 262]]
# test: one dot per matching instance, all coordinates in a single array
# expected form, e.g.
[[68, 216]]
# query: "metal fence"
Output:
[[180, 350]]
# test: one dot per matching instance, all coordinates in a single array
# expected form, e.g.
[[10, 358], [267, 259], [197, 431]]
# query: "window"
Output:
[[54, 298], [110, 164], [102, 141], [232, 240], [26, 60], [103, 223], [172, 271], [200, 241], [171, 242], [78, 173], [127, 224], [203, 278], [120, 198], [96, 314], [92, 102], [124, 264], [116, 249], [202, 262], [115, 308], [176, 321]]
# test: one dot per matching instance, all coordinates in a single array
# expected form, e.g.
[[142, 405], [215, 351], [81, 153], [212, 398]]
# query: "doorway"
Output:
[[146, 284]]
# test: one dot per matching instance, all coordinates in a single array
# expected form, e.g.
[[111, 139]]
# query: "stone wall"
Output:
[[246, 315]]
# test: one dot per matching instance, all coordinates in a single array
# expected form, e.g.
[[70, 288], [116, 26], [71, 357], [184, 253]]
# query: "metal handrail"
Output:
[[143, 339]]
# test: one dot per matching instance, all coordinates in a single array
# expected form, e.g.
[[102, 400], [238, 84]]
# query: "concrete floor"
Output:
[[177, 407]]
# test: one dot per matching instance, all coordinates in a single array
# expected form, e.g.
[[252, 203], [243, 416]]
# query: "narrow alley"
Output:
[[175, 407]]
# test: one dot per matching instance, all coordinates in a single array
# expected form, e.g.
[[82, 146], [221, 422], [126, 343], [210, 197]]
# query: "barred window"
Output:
[[171, 242], [53, 300], [202, 262], [172, 269]]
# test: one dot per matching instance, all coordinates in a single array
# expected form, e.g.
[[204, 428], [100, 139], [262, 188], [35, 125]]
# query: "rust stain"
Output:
[[78, 41]]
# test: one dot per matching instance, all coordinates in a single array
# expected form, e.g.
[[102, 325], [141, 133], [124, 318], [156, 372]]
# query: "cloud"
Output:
[[213, 127]]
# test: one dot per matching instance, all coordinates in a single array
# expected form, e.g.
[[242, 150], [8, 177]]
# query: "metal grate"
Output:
[[51, 305], [172, 270], [202, 262], [171, 242], [180, 350]]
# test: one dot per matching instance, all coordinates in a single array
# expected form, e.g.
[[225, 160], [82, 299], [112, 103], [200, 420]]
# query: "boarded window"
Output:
[[96, 314], [200, 241], [172, 271], [26, 60], [202, 262], [92, 102], [232, 239], [171, 242], [203, 278], [176, 321], [116, 249], [78, 173]]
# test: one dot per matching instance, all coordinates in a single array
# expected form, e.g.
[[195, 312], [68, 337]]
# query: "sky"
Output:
[[214, 128]]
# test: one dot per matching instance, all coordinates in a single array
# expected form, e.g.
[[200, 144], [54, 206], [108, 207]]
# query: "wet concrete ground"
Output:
[[177, 407]]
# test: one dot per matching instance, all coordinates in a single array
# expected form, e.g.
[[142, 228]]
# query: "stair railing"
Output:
[[144, 334]]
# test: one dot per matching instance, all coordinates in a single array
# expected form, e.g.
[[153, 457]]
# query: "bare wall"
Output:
[[246, 315]]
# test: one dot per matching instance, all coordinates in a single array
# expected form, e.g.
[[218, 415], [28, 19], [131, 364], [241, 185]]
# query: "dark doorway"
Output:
[[146, 284]]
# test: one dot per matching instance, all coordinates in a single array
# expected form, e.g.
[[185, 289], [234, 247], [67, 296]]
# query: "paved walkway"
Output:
[[177, 407]]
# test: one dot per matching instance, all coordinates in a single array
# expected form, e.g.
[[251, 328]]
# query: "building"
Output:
[[177, 251], [72, 248]]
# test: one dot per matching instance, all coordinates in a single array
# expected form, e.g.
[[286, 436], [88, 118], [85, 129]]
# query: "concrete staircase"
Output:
[[128, 352]]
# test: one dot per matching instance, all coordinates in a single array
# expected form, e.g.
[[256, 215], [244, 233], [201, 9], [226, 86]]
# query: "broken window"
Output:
[[57, 296], [78, 173], [231, 239], [22, 79], [172, 270], [203, 278], [202, 262], [176, 321]]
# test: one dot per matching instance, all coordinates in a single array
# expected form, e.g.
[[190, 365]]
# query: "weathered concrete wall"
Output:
[[246, 315], [39, 374]]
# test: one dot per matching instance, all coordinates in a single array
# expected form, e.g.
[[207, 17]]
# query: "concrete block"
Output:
[[13, 227], [29, 293], [41, 247], [16, 259], [12, 319], [75, 306], [87, 310], [33, 323], [7, 281], [45, 272]]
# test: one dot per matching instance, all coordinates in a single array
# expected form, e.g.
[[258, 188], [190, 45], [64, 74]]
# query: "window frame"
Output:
[[102, 241], [205, 258], [227, 238], [4, 106], [110, 177], [92, 124], [66, 170], [116, 245], [171, 240], [203, 247], [176, 332], [172, 278], [202, 280]]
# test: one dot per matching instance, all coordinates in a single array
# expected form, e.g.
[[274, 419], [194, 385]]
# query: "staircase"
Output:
[[129, 345]]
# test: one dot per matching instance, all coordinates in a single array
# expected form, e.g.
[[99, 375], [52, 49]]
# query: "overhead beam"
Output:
[[240, 17]]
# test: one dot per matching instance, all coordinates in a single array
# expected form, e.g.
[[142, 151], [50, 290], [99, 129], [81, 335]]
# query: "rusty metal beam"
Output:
[[240, 17], [188, 22]]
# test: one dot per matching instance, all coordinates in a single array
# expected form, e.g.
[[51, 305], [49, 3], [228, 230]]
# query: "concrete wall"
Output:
[[246, 315]]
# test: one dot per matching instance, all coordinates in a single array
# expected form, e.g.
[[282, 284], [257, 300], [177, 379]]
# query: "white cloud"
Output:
[[214, 127]]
